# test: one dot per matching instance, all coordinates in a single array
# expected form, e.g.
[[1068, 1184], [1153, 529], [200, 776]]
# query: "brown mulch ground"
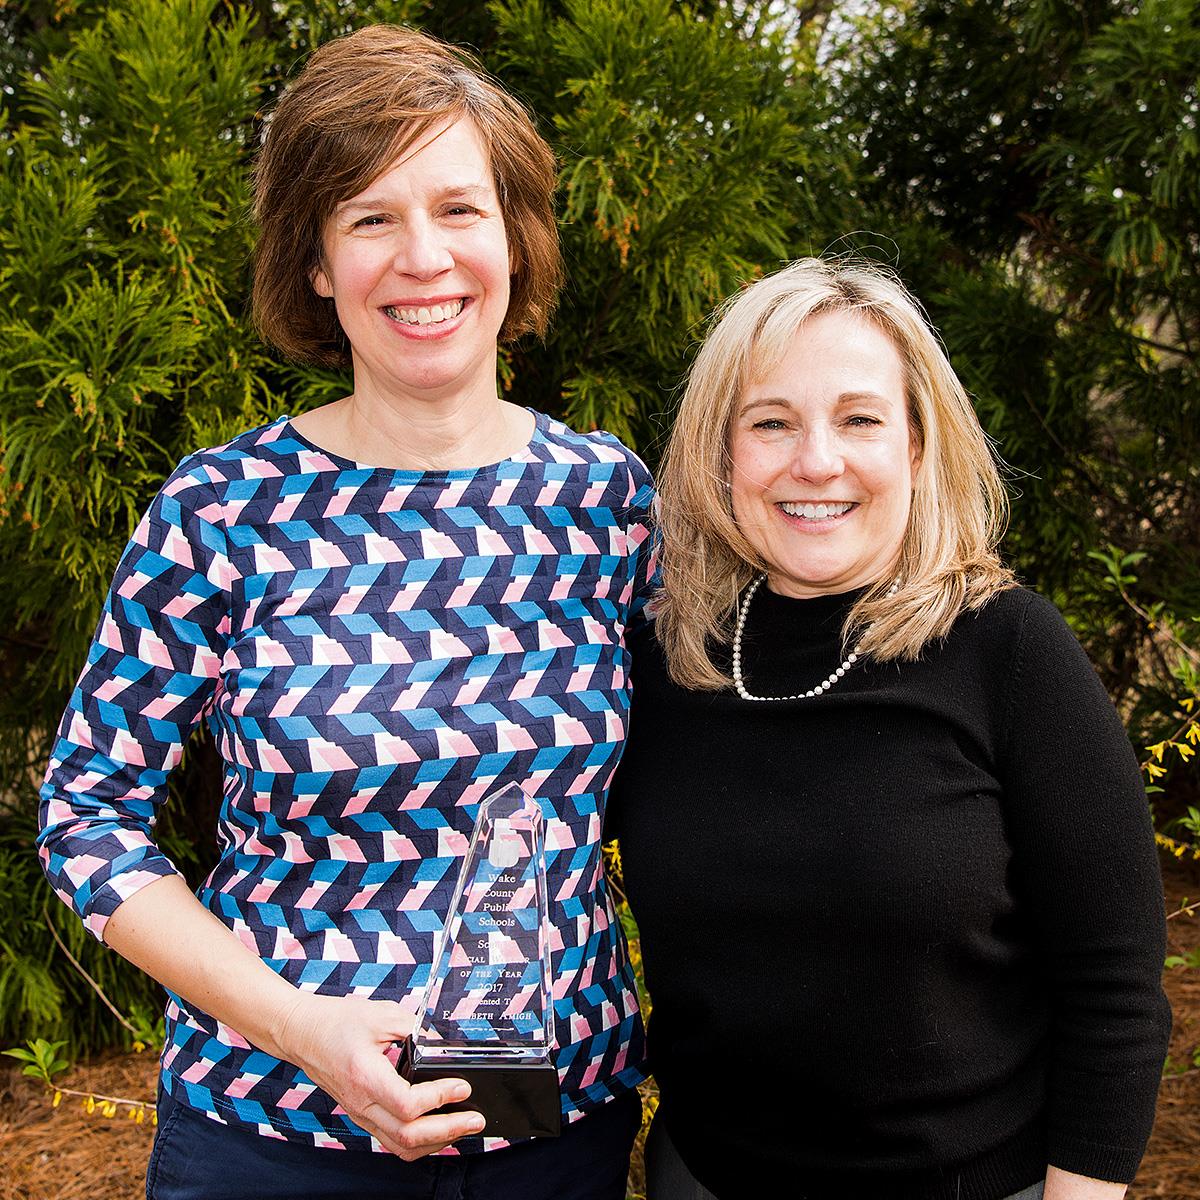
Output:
[[64, 1153], [1171, 1168]]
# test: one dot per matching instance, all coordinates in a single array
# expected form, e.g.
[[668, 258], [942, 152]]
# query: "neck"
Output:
[[464, 431], [460, 432], [778, 658]]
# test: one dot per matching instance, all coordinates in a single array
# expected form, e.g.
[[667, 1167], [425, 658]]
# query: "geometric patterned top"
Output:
[[374, 651]]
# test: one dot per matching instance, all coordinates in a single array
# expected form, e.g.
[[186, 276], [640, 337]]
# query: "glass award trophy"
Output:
[[487, 1015]]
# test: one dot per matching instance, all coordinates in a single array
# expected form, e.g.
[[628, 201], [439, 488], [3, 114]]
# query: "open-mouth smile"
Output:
[[825, 511], [426, 314]]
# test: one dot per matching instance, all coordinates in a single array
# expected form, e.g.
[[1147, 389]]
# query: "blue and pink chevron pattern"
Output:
[[374, 651]]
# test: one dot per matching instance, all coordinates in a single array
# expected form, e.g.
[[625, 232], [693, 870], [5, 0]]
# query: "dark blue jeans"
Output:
[[198, 1159]]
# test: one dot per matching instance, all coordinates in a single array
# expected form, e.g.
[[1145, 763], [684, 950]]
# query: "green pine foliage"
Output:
[[681, 142], [121, 339], [122, 347]]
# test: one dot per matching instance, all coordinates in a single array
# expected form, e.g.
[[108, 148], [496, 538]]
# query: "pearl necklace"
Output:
[[739, 681]]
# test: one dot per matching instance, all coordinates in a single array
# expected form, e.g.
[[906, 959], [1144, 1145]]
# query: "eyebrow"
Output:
[[455, 192], [843, 399]]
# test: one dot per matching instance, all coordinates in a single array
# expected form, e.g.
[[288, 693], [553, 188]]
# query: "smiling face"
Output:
[[823, 459], [418, 267]]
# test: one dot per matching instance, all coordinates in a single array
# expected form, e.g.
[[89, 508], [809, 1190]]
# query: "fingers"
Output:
[[392, 1020], [420, 1098], [344, 1045], [418, 1132], [431, 1134]]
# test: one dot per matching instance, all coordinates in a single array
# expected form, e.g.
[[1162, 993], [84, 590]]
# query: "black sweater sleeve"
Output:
[[1086, 871]]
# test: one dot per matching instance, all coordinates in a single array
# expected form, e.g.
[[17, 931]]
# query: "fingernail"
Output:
[[476, 1125], [461, 1091]]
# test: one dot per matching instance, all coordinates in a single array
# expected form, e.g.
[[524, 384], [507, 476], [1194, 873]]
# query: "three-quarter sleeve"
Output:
[[1087, 875], [150, 677]]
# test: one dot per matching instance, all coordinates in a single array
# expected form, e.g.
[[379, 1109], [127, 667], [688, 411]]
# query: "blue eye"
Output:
[[771, 423], [862, 421]]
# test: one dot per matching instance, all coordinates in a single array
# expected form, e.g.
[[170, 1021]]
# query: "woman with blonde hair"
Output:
[[384, 609], [881, 828]]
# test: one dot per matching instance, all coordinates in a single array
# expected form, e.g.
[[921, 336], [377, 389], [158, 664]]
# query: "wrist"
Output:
[[287, 1027], [1066, 1185]]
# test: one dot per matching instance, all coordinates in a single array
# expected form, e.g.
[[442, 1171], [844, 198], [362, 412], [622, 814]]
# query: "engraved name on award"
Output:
[[487, 1015]]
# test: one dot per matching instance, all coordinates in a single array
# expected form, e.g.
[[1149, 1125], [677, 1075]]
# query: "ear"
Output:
[[916, 439], [321, 283], [916, 450]]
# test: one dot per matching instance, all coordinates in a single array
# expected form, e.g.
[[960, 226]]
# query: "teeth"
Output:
[[817, 512], [434, 314]]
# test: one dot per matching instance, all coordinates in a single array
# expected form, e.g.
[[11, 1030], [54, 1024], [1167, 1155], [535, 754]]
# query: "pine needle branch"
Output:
[[112, 1008]]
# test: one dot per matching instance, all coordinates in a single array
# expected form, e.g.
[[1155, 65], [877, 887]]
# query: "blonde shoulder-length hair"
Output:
[[948, 559]]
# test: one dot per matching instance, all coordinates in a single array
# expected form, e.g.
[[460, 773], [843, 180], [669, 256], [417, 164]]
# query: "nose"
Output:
[[816, 456], [423, 251]]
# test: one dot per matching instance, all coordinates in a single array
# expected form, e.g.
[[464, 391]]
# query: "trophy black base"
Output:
[[518, 1099]]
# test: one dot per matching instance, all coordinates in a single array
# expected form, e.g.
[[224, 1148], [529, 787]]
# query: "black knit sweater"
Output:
[[903, 940]]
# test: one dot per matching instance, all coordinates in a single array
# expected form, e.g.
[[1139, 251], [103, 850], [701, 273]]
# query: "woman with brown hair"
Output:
[[385, 609], [881, 828]]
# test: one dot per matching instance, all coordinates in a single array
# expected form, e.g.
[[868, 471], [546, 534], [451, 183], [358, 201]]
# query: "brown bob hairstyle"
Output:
[[357, 105]]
